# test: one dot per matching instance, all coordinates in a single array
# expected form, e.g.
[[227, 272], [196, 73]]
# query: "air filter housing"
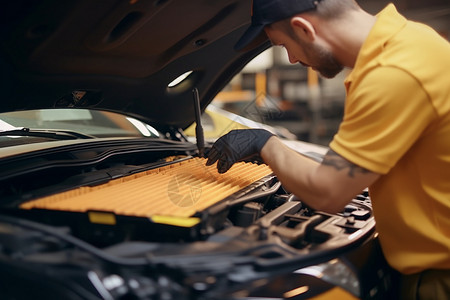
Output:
[[172, 202]]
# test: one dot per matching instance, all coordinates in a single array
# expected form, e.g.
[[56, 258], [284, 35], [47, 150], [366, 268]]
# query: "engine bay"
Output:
[[154, 221]]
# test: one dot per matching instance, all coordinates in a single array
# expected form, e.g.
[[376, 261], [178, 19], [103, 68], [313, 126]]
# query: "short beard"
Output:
[[324, 62], [321, 60]]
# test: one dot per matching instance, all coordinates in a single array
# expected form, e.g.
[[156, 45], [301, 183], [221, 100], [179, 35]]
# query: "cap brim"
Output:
[[252, 37]]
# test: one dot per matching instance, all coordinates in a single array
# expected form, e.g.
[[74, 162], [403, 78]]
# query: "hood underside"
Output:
[[120, 55]]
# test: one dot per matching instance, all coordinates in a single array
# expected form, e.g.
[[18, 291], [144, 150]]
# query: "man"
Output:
[[394, 137]]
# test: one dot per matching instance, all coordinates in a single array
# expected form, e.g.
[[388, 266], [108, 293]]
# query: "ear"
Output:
[[304, 28]]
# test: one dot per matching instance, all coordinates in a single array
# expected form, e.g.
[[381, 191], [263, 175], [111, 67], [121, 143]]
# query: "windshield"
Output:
[[90, 122]]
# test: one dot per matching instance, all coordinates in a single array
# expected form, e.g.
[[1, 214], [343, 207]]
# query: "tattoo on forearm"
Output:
[[339, 163]]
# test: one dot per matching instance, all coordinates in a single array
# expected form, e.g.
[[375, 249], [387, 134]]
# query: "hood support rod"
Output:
[[198, 128]]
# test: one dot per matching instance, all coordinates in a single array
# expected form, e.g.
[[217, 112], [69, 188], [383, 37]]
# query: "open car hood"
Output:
[[120, 55]]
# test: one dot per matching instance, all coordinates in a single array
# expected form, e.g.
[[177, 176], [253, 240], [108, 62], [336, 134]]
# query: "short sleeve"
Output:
[[385, 113]]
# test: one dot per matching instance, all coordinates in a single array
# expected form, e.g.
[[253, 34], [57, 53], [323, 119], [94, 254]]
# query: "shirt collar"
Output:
[[388, 23]]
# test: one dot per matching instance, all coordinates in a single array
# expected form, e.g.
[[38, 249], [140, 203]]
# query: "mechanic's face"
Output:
[[309, 54]]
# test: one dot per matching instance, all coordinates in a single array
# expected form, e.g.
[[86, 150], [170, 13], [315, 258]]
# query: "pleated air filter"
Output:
[[177, 190]]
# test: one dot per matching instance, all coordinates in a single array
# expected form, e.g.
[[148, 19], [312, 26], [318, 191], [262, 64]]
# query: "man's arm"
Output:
[[326, 186]]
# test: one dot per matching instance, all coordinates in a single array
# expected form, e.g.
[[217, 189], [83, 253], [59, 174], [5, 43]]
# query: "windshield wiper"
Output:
[[47, 133]]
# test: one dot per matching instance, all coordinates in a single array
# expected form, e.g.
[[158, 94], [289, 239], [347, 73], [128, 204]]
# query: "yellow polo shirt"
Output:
[[397, 123]]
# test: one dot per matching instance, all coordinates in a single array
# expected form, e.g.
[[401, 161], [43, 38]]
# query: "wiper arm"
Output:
[[47, 133]]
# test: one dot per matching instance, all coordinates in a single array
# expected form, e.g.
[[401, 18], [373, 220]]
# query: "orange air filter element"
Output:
[[180, 190]]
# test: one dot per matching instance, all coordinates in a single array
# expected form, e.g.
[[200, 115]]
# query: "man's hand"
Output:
[[235, 146]]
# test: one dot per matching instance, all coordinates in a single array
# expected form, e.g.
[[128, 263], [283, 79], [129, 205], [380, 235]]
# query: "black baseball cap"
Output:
[[265, 12]]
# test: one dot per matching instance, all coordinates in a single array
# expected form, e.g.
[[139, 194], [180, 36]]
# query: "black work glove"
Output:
[[235, 146]]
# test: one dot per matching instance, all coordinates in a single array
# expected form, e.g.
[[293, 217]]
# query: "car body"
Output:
[[103, 196]]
